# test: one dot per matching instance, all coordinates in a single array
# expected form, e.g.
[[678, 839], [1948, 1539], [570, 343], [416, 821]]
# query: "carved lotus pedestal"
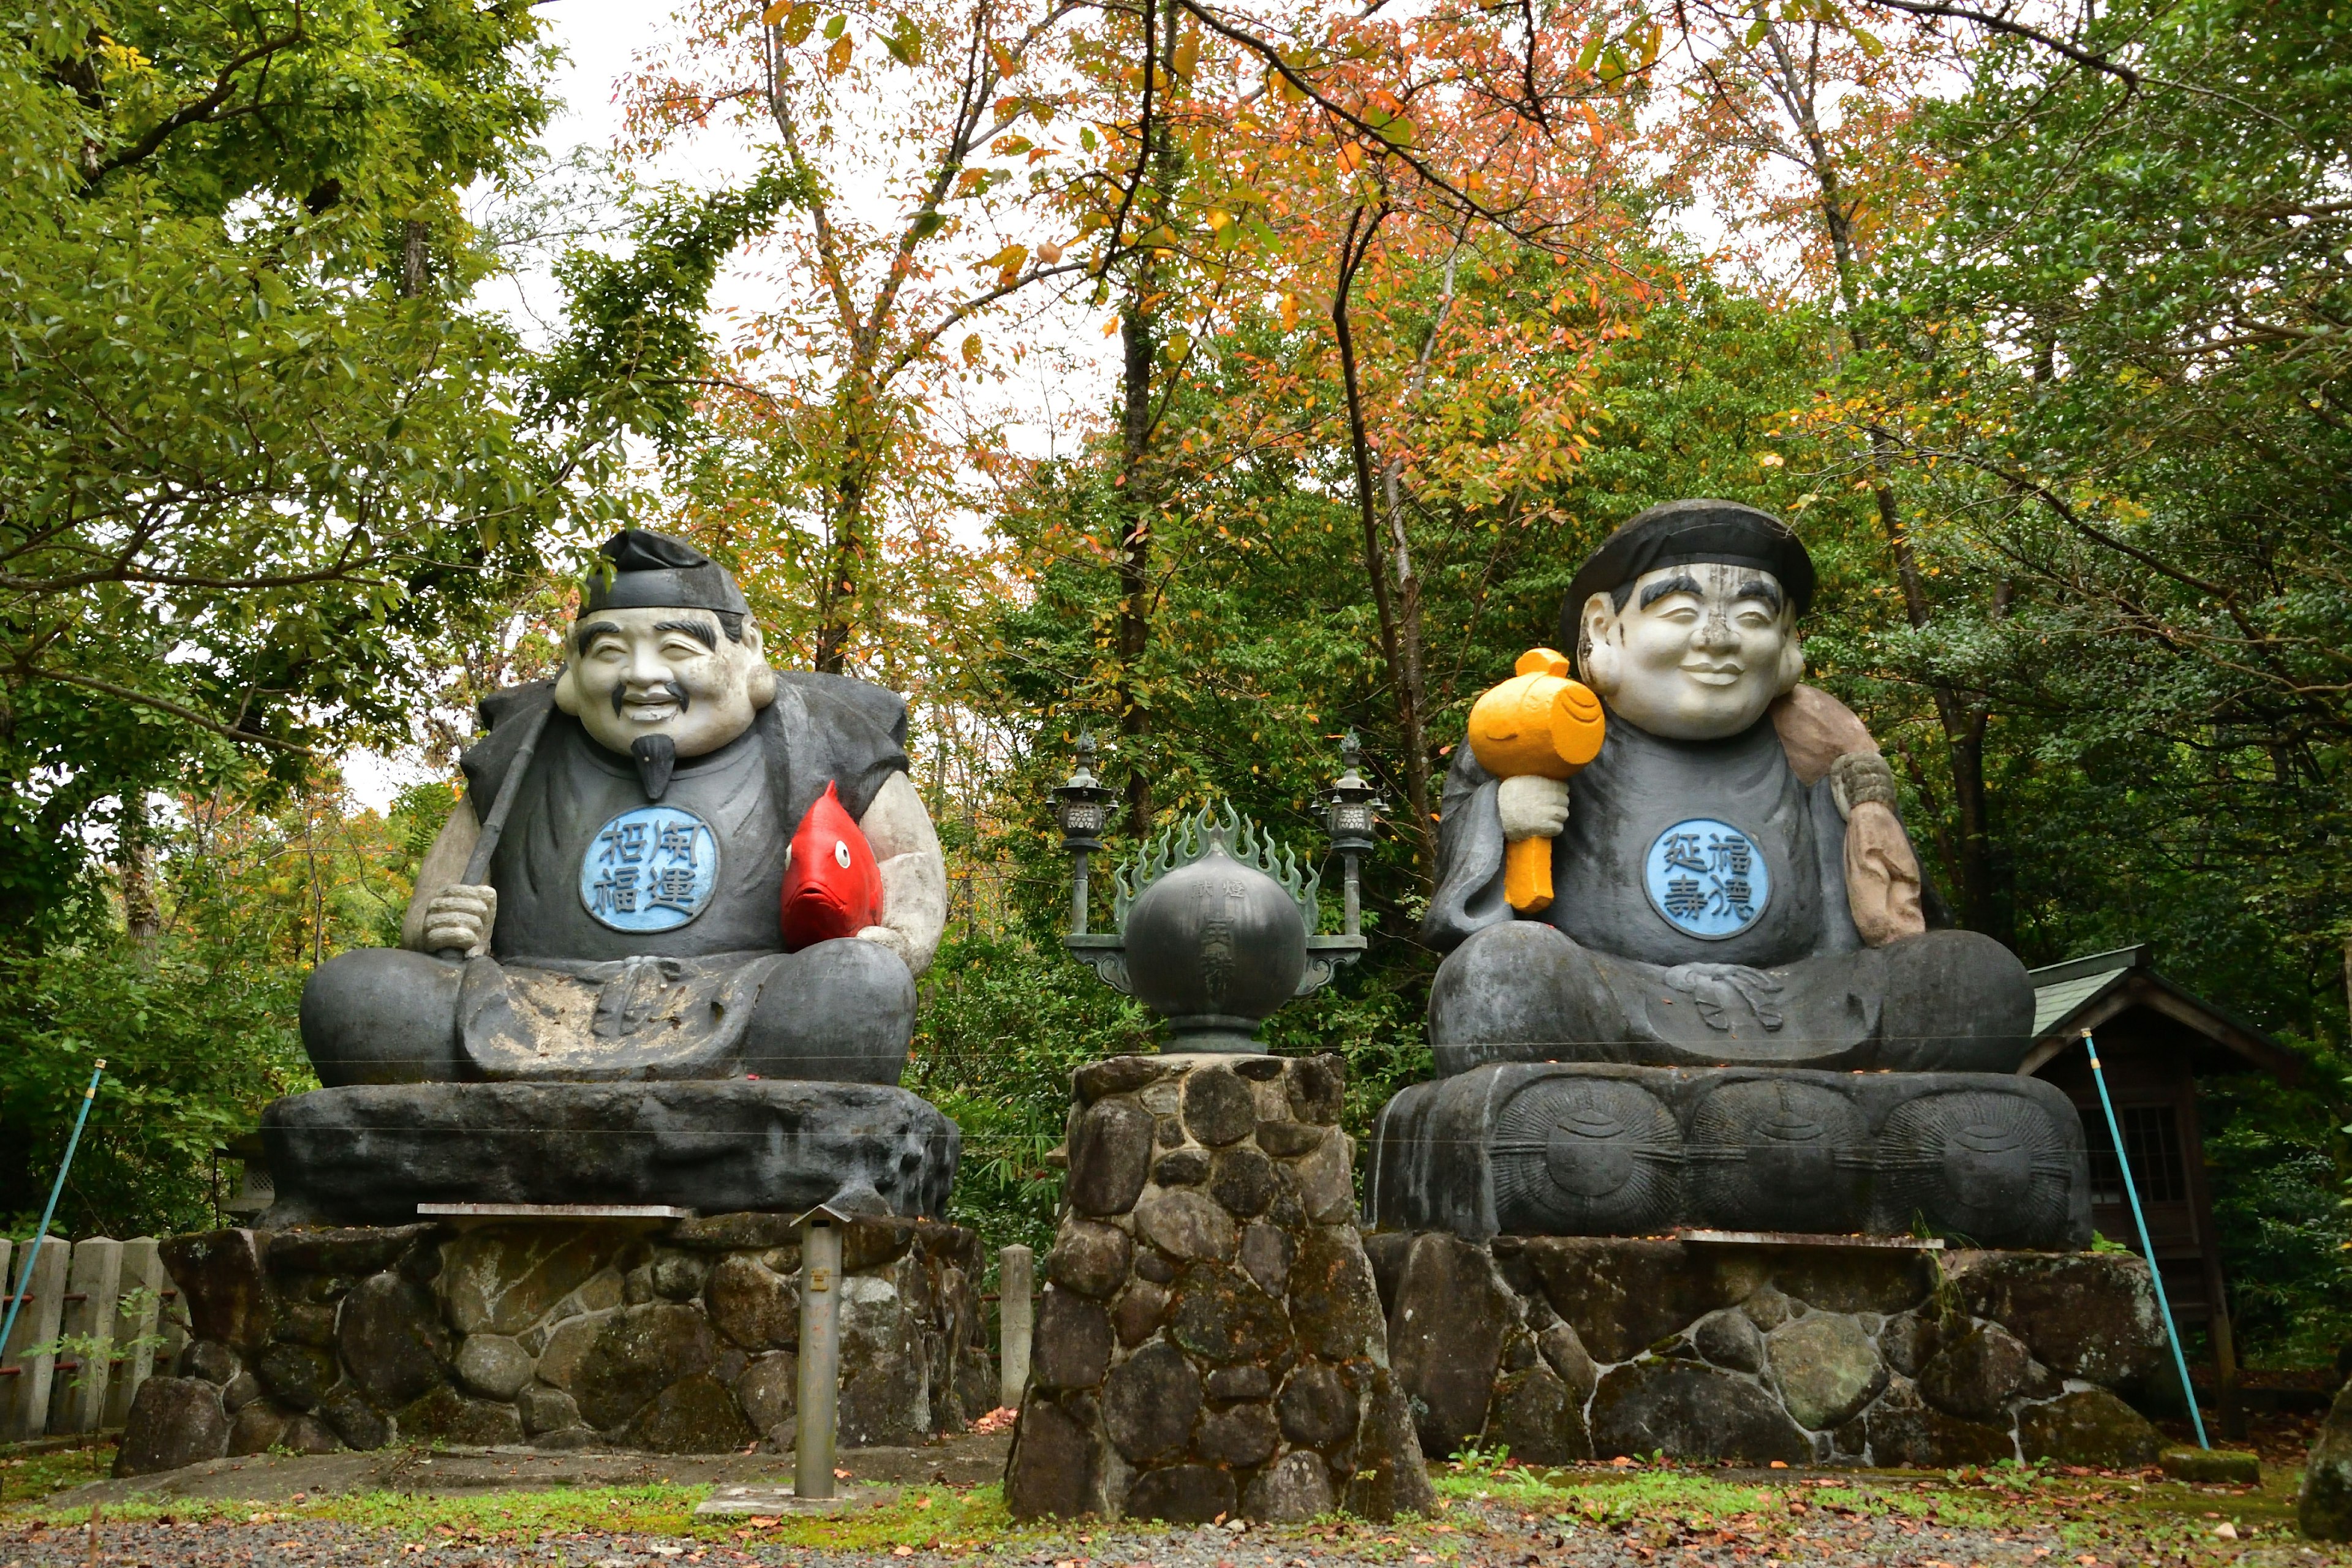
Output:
[[1560, 1149], [1211, 1341]]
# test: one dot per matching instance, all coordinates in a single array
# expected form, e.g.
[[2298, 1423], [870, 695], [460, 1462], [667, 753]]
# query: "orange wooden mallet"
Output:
[[1538, 721]]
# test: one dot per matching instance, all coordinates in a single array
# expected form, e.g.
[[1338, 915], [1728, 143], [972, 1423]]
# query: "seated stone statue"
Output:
[[629, 927], [1732, 884]]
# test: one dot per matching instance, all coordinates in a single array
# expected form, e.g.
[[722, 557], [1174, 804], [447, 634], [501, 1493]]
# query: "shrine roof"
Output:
[[2085, 993]]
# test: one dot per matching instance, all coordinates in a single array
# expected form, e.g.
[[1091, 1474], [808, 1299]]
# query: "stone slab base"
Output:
[[676, 1337], [370, 1154], [1560, 1149], [1210, 1342], [1566, 1348]]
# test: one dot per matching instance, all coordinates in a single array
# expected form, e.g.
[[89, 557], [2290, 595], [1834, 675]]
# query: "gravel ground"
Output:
[[1485, 1536], [506, 1509], [2069, 1532]]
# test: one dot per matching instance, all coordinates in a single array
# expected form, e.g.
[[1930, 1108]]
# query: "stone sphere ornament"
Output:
[[1213, 930], [1216, 945]]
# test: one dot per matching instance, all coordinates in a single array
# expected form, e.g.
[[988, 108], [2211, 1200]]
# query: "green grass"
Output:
[[914, 1516], [27, 1476]]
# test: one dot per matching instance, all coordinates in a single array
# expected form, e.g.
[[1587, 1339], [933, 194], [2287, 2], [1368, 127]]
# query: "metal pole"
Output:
[[1016, 1319], [2146, 1248], [16, 1301], [820, 1365], [1352, 908], [1079, 895]]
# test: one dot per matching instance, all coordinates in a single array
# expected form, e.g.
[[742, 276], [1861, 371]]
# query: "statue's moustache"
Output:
[[669, 689]]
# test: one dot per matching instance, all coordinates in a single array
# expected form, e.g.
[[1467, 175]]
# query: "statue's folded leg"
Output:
[[1957, 1001], [1523, 990], [382, 1016], [839, 1012]]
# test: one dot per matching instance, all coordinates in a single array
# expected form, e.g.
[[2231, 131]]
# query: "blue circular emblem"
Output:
[[649, 870], [1708, 877]]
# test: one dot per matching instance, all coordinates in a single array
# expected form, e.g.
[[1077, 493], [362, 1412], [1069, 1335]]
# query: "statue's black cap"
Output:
[[1681, 532], [652, 571]]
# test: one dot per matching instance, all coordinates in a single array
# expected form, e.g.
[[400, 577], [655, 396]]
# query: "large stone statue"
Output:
[[611, 1012], [1733, 884], [1742, 1015], [630, 927]]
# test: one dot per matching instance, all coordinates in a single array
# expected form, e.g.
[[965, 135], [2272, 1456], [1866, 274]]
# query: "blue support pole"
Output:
[[17, 1300], [2146, 1248]]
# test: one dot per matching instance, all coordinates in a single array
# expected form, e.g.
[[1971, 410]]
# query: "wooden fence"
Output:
[[100, 1317]]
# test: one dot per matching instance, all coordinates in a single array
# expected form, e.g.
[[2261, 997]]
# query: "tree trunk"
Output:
[[414, 272], [134, 859], [1138, 342], [1161, 162], [844, 554], [1963, 721], [1404, 676]]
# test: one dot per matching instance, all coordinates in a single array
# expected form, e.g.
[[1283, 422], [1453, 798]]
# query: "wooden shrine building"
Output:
[[2154, 1039]]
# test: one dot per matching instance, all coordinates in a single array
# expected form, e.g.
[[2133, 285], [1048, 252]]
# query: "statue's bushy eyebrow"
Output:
[[1762, 588], [702, 631], [582, 634], [1681, 583]]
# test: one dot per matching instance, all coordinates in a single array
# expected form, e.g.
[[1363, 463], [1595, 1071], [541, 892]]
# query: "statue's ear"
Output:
[[1596, 647], [1793, 664], [760, 683], [567, 691]]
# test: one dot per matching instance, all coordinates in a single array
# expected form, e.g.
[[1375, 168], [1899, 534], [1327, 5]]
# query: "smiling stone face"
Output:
[[1697, 653], [672, 672]]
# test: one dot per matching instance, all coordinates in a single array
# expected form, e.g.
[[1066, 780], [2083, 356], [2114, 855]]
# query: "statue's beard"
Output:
[[656, 756]]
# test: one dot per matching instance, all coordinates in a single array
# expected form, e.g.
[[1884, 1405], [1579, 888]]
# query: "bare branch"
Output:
[[1995, 23]]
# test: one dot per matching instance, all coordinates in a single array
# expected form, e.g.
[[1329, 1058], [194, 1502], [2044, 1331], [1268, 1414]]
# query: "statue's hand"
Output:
[[1533, 806], [896, 940], [461, 916]]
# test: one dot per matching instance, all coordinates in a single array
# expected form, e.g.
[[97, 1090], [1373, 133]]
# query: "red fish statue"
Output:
[[833, 888]]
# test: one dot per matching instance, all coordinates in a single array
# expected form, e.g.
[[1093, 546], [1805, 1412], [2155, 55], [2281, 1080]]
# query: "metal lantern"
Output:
[[1351, 810], [1082, 807]]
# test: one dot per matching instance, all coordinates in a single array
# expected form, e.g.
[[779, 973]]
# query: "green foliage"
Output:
[[2279, 1169], [264, 479], [197, 1038], [1002, 1026], [261, 464], [637, 352]]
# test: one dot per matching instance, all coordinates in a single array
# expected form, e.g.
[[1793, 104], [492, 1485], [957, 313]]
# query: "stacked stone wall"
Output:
[[1210, 1340], [679, 1338], [1563, 1348]]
